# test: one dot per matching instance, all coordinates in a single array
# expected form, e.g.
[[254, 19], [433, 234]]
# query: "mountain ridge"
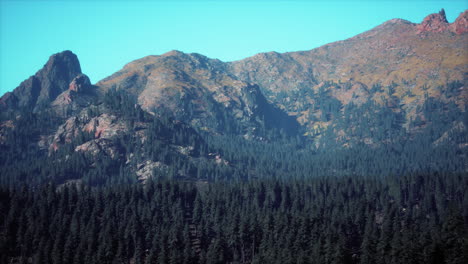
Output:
[[392, 90]]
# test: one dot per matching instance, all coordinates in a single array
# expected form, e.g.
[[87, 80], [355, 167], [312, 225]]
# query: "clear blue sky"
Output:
[[108, 34]]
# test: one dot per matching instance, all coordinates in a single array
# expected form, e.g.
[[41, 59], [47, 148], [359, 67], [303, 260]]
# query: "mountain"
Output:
[[199, 91], [431, 53], [413, 59], [353, 152], [391, 100], [43, 87]]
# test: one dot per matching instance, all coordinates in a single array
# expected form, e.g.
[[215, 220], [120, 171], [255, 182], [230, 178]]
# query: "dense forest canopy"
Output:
[[406, 219]]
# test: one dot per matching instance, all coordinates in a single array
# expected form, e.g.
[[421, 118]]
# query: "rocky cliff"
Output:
[[43, 87]]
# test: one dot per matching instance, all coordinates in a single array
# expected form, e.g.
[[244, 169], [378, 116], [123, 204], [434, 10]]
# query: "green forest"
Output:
[[408, 219]]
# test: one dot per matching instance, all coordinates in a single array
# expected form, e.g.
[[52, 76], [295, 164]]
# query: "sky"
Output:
[[107, 34]]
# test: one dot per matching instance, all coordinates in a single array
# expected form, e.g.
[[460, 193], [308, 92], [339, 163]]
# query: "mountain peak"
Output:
[[47, 83], [460, 25], [436, 22], [64, 59], [173, 53], [442, 15]]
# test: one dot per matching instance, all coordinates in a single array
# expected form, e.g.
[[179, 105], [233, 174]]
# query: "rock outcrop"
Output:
[[460, 26], [48, 83], [80, 84], [100, 146], [434, 23], [105, 126], [145, 170], [438, 23], [80, 93]]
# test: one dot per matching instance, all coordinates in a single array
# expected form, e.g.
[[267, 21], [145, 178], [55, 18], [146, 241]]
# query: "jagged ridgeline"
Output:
[[391, 100]]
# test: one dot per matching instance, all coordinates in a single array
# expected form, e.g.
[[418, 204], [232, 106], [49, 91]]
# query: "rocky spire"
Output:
[[442, 15], [46, 84], [436, 22]]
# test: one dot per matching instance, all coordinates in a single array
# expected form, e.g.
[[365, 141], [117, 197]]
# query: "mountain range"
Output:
[[394, 93]]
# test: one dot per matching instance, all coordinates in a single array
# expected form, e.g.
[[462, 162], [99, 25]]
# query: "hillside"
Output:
[[396, 91], [418, 61], [199, 91]]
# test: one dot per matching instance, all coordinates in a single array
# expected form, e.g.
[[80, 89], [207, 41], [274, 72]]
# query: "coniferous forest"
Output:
[[408, 219]]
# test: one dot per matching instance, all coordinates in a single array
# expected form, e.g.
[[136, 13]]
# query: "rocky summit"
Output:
[[43, 87], [397, 90]]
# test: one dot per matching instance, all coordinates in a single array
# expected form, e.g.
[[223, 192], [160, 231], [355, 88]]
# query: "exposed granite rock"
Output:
[[145, 170], [102, 146], [105, 126]]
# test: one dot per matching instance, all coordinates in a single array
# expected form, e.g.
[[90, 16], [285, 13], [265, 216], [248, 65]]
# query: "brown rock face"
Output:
[[46, 84], [98, 147], [80, 83], [438, 23], [104, 126], [434, 23], [460, 26]]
